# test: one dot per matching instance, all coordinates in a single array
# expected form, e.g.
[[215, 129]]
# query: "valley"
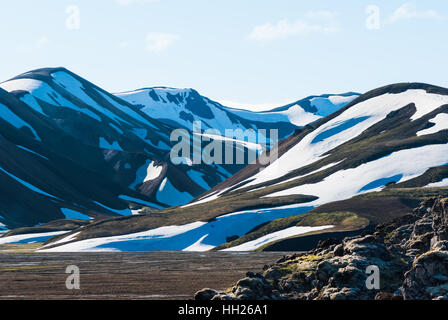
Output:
[[141, 275]]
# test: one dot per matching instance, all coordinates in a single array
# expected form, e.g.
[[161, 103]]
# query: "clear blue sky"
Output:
[[244, 51]]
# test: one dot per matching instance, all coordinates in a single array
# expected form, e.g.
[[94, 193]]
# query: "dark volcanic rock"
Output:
[[205, 294], [428, 278]]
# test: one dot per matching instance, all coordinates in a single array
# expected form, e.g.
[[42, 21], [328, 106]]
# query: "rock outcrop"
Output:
[[409, 254]]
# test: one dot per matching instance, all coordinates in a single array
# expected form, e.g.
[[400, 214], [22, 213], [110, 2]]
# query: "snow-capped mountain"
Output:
[[69, 149], [390, 142], [181, 107]]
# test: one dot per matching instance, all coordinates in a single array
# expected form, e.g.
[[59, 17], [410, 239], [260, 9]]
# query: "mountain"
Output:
[[365, 164], [69, 149], [181, 107]]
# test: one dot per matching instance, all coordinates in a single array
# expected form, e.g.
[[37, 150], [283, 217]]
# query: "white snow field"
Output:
[[73, 214], [147, 172], [443, 183], [398, 167], [31, 237], [41, 90], [279, 235], [197, 236]]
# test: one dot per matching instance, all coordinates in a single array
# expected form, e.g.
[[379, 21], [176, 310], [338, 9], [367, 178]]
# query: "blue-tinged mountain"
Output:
[[69, 149]]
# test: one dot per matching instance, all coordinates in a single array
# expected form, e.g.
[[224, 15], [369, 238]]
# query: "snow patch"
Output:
[[350, 182], [31, 237], [72, 214], [275, 236], [440, 123], [148, 172], [10, 117], [28, 185], [140, 241], [371, 111], [124, 212], [443, 183], [104, 144], [41, 90]]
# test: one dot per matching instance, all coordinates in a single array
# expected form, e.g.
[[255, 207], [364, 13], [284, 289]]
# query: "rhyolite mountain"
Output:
[[371, 161], [69, 149]]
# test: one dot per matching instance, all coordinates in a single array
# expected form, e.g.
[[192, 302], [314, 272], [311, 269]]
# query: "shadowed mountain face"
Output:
[[388, 146], [69, 149]]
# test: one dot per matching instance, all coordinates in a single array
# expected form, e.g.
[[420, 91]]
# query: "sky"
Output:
[[254, 54]]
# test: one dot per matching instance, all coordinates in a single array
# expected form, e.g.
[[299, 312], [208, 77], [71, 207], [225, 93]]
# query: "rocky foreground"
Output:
[[411, 254]]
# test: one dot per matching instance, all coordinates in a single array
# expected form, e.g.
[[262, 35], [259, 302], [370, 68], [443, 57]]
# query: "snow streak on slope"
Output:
[[398, 167], [135, 242], [14, 120], [147, 172], [44, 92], [279, 235], [440, 123], [169, 194], [362, 116], [30, 238], [181, 107]]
